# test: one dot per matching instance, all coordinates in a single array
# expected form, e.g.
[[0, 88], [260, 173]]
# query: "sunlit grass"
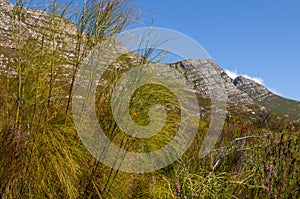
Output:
[[41, 155]]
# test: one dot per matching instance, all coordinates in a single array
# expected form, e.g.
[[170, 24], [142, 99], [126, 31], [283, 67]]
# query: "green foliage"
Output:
[[41, 155]]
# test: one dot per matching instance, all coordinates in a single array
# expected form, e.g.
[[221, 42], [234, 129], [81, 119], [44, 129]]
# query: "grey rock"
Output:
[[189, 69]]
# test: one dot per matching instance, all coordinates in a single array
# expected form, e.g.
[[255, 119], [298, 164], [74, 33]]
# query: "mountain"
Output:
[[266, 98], [189, 69], [242, 93]]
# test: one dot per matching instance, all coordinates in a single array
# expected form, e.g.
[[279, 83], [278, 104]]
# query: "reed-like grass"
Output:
[[41, 155]]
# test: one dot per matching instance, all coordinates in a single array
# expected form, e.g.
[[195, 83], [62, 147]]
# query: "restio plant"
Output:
[[41, 155]]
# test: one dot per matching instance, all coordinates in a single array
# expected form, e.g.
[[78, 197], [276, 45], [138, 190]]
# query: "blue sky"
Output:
[[256, 38]]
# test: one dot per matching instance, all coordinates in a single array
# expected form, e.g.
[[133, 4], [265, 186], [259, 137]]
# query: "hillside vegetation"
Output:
[[42, 156]]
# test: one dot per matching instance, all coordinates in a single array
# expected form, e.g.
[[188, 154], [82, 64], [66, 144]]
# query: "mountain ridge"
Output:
[[267, 98], [240, 90]]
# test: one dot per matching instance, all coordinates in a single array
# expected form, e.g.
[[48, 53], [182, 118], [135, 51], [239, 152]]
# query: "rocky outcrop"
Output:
[[190, 71], [256, 91], [262, 96], [21, 27], [33, 24]]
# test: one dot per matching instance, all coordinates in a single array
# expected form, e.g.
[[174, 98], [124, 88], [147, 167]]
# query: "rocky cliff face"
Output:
[[256, 91], [33, 24], [262, 96], [21, 27], [189, 69], [6, 10]]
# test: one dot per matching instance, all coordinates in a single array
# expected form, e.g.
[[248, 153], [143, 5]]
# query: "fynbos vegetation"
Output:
[[42, 156]]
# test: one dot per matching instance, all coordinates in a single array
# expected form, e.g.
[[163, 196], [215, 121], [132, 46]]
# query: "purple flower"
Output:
[[270, 167]]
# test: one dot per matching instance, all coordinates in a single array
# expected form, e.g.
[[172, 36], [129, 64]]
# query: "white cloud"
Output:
[[235, 74], [231, 74], [256, 79]]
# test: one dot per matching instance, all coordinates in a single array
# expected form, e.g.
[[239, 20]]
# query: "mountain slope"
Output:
[[189, 69], [35, 26], [266, 98]]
